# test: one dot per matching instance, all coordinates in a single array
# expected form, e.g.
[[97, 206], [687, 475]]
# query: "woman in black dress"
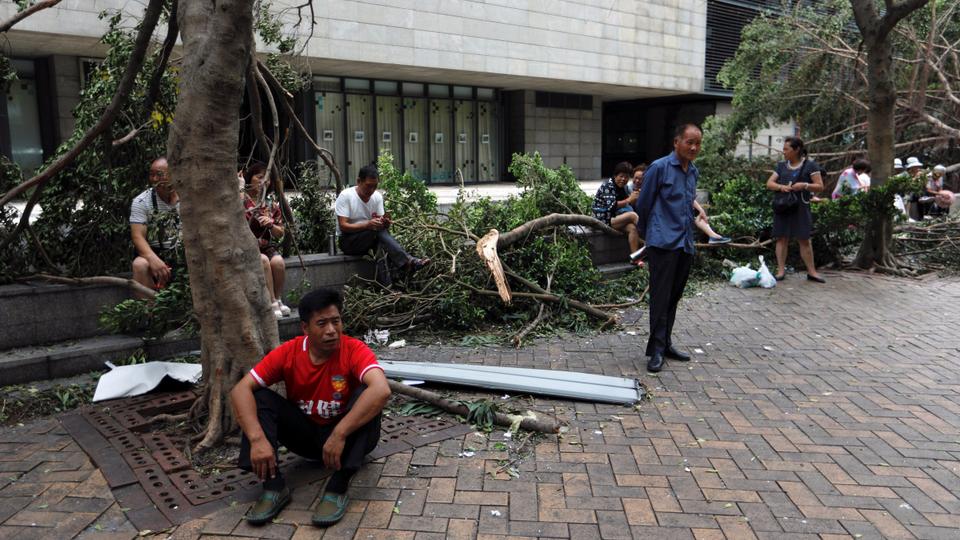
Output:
[[799, 176]]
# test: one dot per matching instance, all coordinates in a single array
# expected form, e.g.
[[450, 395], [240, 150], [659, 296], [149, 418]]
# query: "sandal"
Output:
[[416, 264]]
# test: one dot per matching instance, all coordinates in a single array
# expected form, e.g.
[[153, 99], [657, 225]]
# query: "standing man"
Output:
[[666, 208], [362, 225], [155, 228], [335, 392]]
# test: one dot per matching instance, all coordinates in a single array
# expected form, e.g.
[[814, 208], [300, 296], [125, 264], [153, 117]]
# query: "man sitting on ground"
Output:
[[155, 228], [335, 393], [362, 224]]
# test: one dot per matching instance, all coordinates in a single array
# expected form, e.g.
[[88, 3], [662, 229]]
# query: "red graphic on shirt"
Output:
[[313, 387]]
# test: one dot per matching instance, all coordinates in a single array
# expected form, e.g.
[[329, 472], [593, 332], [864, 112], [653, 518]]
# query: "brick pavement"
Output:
[[813, 412]]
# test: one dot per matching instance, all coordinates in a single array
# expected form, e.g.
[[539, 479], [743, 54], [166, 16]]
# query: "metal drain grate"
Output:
[[152, 478]]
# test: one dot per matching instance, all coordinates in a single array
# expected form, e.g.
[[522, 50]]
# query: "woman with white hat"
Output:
[[942, 198], [897, 166]]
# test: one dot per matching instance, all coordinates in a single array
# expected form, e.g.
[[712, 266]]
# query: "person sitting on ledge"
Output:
[[362, 225], [613, 205], [266, 223], [155, 228], [335, 392]]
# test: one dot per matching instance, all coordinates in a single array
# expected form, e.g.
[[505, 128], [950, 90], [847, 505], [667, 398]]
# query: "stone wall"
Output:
[[618, 48], [565, 136], [42, 313]]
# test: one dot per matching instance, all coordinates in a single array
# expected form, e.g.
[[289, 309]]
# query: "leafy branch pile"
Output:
[[556, 282]]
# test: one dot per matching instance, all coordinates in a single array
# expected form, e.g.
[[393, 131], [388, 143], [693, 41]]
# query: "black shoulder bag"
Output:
[[787, 202]]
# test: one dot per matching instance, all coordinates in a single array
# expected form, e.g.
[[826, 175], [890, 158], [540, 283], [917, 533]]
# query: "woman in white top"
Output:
[[853, 179]]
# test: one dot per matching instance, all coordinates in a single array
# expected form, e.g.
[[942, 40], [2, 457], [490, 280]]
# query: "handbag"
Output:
[[787, 203]]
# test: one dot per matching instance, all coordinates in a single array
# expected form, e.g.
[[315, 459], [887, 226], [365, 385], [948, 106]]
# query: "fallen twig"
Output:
[[96, 280], [531, 424]]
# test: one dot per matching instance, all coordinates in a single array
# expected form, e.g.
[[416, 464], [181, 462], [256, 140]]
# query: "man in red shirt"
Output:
[[335, 393]]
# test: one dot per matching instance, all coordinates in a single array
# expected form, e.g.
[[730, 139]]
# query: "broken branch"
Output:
[[96, 280], [21, 15], [530, 424]]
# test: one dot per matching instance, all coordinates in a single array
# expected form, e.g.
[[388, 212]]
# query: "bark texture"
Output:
[[237, 325], [881, 98]]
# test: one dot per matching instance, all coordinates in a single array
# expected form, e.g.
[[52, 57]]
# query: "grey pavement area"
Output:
[[808, 411]]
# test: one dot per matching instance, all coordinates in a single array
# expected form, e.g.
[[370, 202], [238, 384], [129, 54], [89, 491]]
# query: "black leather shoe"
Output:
[[655, 363], [673, 353], [818, 279]]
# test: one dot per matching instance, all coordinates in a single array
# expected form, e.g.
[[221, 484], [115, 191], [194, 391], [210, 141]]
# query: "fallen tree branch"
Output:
[[586, 308], [95, 280], [754, 245], [21, 15], [325, 155], [518, 338], [553, 220], [173, 30], [487, 251], [541, 292], [137, 55], [530, 424]]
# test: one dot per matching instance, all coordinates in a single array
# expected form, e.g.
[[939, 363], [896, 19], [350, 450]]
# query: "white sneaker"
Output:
[[276, 309], [283, 308]]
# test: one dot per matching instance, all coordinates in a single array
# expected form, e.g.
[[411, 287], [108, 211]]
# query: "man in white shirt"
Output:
[[362, 224], [155, 228]]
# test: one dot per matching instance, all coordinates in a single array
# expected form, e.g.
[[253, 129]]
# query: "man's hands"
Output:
[[632, 198], [378, 222], [333, 449], [262, 459], [158, 270]]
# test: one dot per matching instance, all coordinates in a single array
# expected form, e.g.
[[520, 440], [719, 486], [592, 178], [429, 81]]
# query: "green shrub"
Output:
[[313, 210], [742, 208]]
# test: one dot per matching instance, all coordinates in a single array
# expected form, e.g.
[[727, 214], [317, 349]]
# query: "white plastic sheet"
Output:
[[127, 381]]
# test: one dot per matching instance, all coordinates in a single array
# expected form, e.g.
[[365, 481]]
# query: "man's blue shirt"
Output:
[[665, 204]]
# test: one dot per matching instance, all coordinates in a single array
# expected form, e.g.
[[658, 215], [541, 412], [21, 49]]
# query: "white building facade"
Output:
[[444, 85]]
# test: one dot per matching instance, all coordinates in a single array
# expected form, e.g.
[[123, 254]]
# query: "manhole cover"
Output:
[[153, 480]]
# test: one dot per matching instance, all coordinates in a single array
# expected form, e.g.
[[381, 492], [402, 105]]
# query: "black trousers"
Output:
[[669, 270], [285, 424], [362, 242]]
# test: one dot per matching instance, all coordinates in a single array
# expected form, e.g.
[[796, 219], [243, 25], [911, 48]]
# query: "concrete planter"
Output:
[[39, 313]]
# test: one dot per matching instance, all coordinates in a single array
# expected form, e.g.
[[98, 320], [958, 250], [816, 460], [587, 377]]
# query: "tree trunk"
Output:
[[876, 32], [882, 99], [875, 248], [237, 325]]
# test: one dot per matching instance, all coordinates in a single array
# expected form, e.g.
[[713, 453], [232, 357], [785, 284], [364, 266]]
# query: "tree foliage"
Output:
[[805, 63]]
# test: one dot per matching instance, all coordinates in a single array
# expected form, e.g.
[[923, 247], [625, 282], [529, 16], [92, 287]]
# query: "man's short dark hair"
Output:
[[861, 166], [623, 167], [682, 128], [368, 171], [319, 300]]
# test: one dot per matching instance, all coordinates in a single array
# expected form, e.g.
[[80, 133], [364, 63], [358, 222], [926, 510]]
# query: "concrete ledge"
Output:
[[606, 249], [28, 364], [38, 313]]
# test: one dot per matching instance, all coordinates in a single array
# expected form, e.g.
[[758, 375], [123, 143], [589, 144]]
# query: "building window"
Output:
[[23, 119], [559, 100], [432, 130]]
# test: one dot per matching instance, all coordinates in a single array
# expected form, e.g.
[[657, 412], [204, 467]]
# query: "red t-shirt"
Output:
[[321, 391]]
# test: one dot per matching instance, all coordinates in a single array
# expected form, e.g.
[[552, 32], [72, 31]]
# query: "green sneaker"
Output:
[[269, 505], [331, 509]]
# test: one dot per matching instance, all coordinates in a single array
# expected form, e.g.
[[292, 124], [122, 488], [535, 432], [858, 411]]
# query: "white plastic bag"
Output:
[[767, 281], [744, 277]]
